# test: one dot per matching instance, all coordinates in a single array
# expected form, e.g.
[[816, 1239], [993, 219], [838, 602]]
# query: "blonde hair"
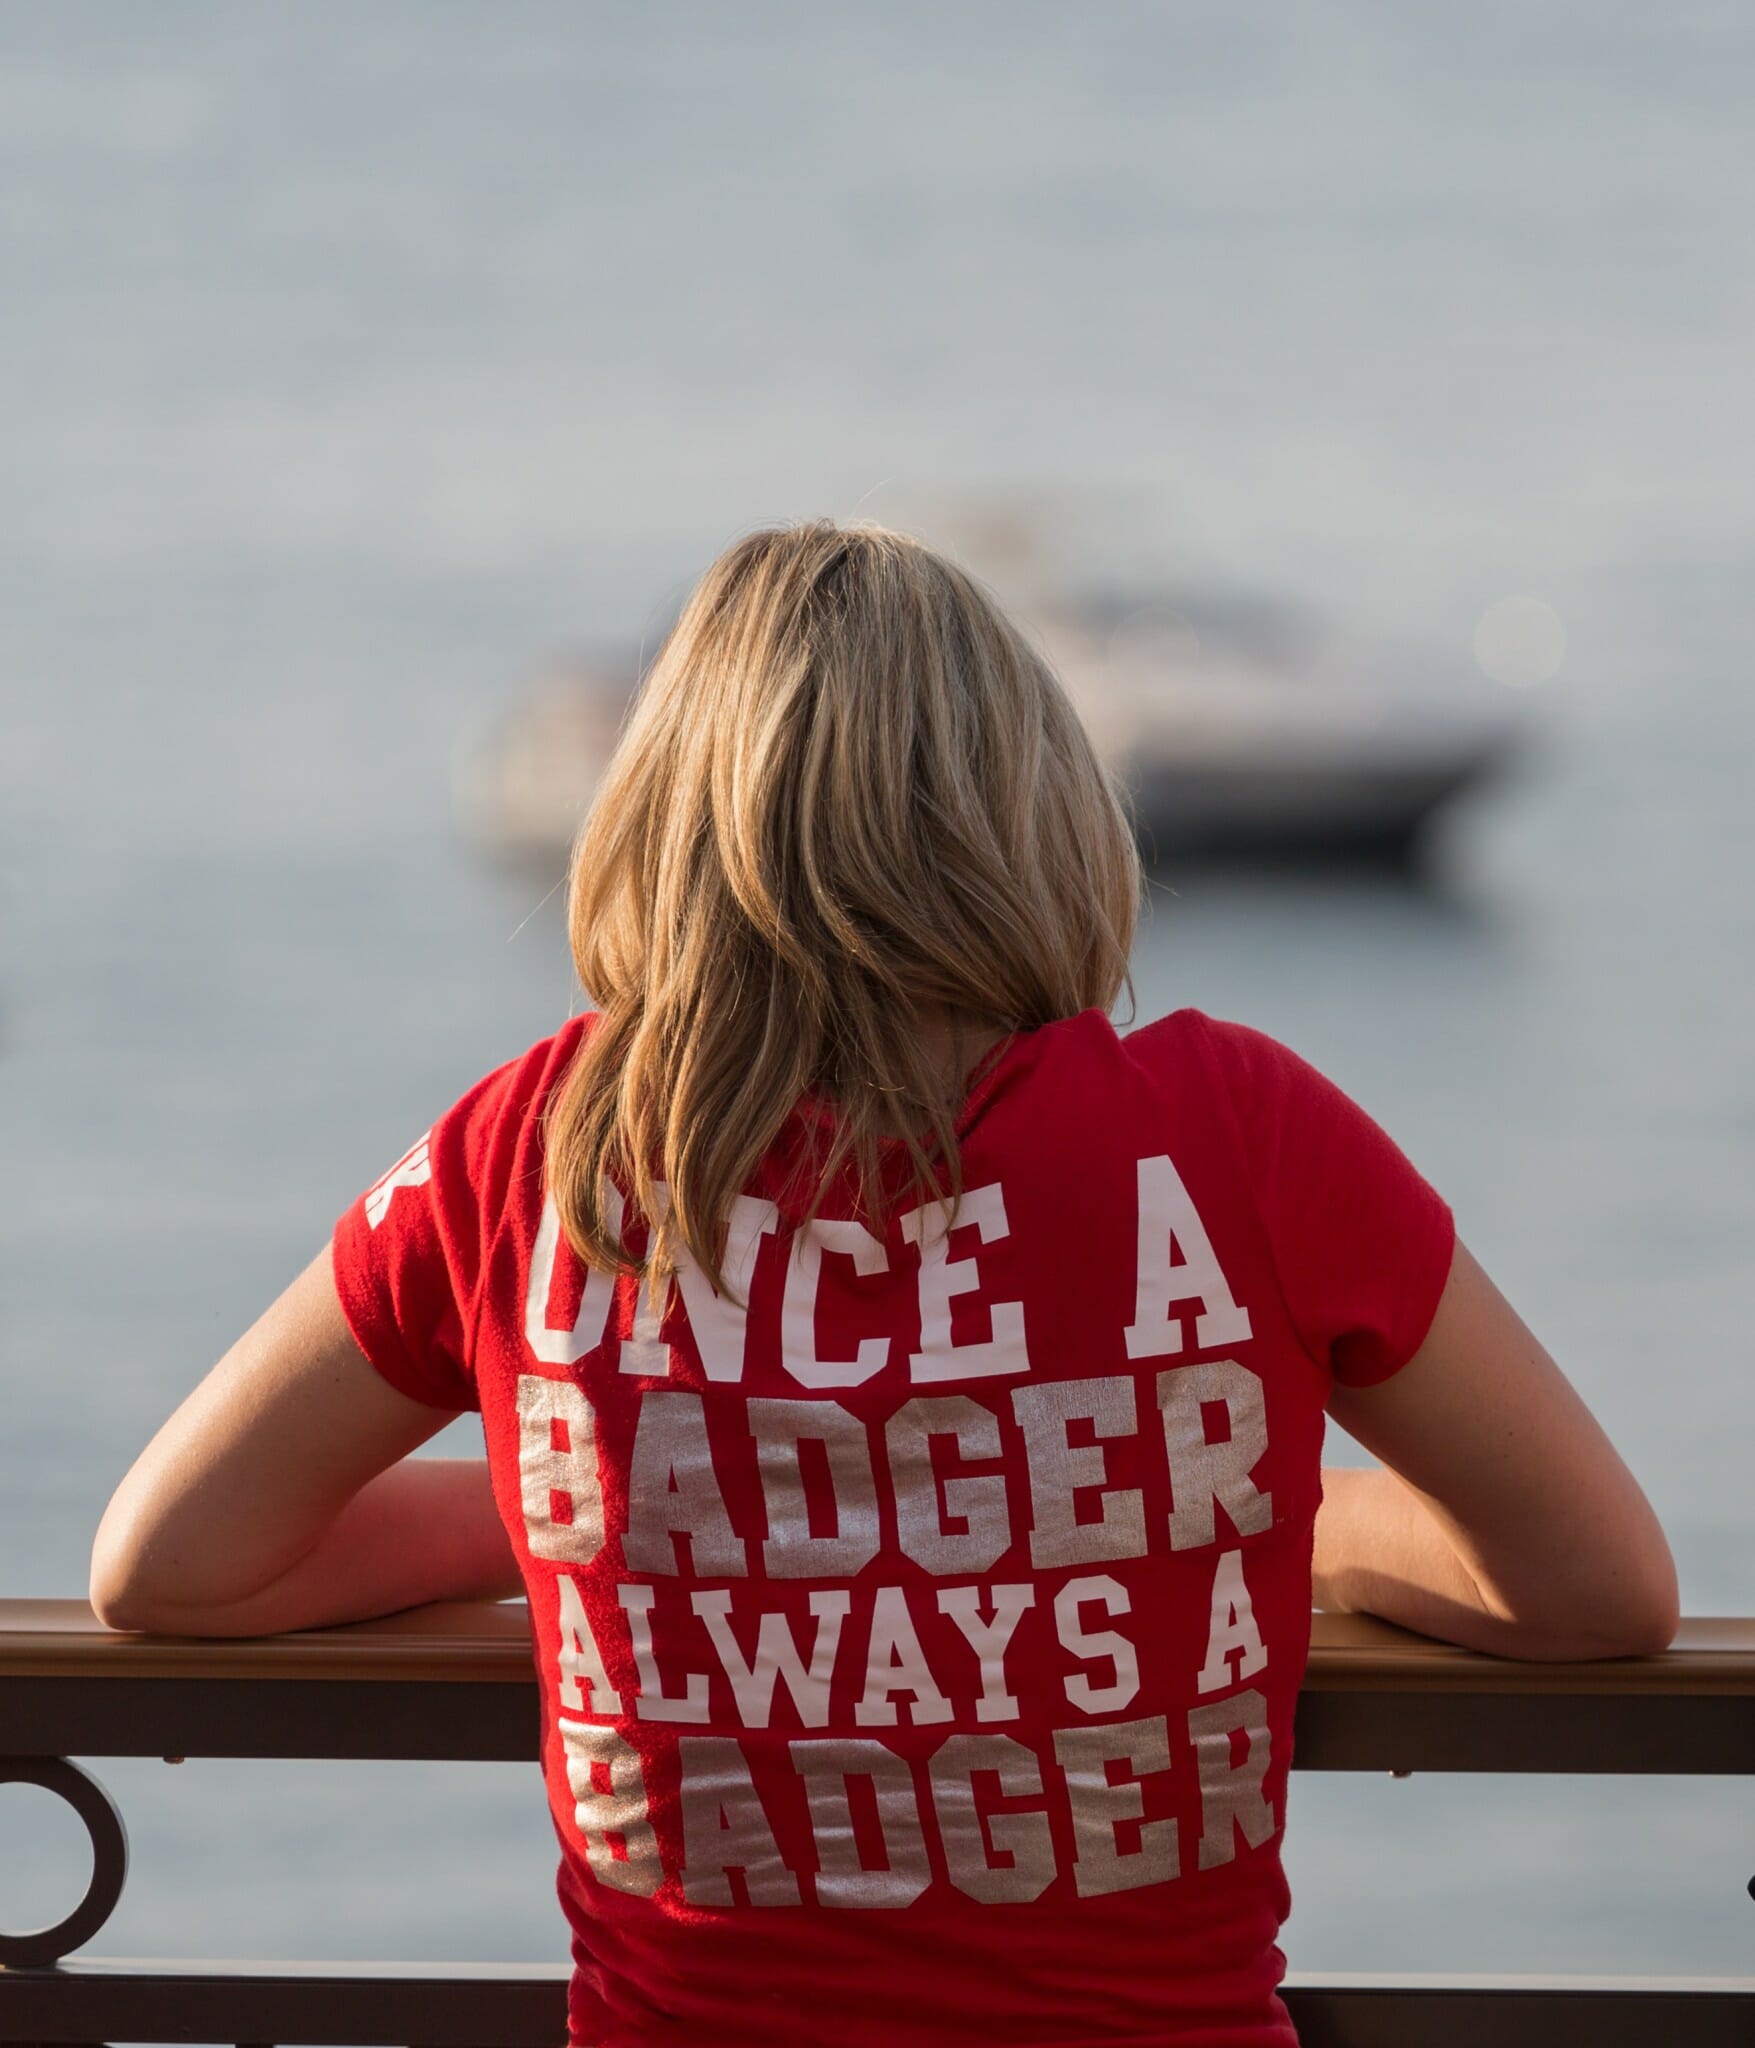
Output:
[[849, 794]]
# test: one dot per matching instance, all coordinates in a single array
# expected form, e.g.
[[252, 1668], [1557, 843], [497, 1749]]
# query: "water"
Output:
[[352, 359]]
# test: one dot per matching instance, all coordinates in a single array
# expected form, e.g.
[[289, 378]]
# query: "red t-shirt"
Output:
[[919, 1647]]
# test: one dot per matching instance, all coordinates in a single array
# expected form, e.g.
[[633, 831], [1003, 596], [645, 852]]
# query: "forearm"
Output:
[[1380, 1549], [425, 1529]]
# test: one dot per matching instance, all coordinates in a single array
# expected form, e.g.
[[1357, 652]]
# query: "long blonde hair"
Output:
[[849, 794]]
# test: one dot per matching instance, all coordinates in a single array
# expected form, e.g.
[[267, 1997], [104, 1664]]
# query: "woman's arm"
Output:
[[280, 1494], [1506, 1519]]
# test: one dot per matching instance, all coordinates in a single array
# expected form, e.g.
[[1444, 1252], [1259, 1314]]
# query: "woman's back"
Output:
[[919, 1619], [919, 1648]]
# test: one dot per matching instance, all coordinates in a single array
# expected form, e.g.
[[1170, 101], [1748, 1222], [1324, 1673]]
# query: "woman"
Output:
[[903, 1396]]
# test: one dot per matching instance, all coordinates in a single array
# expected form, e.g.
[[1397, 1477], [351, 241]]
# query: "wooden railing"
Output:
[[457, 1681]]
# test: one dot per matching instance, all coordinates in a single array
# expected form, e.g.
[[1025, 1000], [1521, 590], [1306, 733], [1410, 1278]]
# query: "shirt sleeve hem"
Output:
[[1433, 1273], [388, 1358]]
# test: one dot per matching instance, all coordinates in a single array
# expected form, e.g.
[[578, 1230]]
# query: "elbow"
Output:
[[119, 1589], [1642, 1617], [1635, 1616], [123, 1616], [115, 1600], [1647, 1633], [139, 1584], [1650, 1622], [132, 1609], [112, 1598], [117, 1607]]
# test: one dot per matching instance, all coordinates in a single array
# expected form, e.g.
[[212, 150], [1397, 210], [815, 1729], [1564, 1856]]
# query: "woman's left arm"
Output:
[[280, 1495]]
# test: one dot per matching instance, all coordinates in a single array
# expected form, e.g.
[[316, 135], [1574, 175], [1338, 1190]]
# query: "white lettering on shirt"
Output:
[[560, 1491], [894, 1663], [777, 1657], [654, 1703], [1201, 1472], [580, 1660], [718, 1321], [567, 1347], [989, 1639], [798, 1315], [943, 1279], [412, 1170], [1169, 1221], [1231, 1632], [1088, 1643]]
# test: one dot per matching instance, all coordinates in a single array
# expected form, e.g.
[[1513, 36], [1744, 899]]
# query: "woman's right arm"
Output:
[[1505, 1519]]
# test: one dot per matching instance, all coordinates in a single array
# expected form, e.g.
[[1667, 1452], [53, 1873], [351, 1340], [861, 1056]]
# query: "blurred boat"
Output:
[[1238, 728]]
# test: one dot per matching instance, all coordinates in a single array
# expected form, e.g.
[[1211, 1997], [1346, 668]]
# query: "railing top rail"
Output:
[[1353, 1653], [484, 1641], [451, 1641]]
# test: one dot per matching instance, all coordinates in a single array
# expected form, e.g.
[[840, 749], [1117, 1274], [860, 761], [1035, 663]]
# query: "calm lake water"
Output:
[[354, 359]]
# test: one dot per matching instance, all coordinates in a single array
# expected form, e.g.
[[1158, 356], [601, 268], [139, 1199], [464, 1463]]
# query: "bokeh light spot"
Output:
[[1520, 641]]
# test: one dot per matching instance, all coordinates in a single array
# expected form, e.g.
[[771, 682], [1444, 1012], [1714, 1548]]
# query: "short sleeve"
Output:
[[408, 1255], [1362, 1242]]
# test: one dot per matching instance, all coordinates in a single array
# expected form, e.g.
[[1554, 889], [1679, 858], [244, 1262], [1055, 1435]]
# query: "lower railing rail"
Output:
[[457, 1681], [362, 2005]]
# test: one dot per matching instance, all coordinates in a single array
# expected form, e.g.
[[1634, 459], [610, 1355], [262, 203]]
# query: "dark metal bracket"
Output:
[[109, 1859]]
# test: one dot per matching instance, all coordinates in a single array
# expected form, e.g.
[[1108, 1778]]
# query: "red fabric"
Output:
[[919, 1649]]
